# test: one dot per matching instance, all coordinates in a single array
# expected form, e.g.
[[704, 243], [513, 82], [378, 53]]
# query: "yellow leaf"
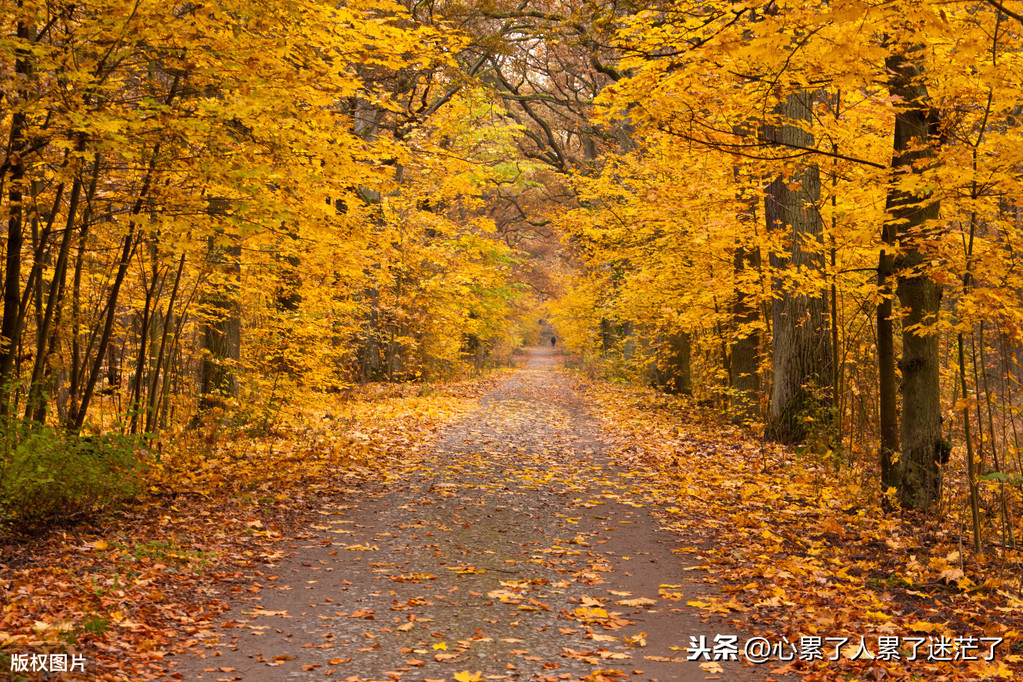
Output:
[[502, 594], [466, 676], [636, 640], [586, 613], [639, 601], [951, 575], [614, 655]]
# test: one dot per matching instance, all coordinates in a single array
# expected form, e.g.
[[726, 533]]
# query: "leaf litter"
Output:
[[509, 495], [490, 561]]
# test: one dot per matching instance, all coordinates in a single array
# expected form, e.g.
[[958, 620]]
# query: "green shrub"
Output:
[[48, 475]]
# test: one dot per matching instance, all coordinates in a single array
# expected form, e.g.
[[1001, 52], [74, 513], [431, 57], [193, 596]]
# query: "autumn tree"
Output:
[[801, 340], [913, 214], [120, 165], [712, 76]]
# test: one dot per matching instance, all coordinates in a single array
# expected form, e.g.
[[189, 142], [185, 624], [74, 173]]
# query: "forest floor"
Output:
[[529, 526]]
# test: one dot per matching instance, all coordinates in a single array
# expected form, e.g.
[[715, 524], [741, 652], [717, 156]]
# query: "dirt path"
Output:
[[517, 550]]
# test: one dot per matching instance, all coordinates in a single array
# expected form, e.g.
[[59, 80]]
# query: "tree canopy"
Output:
[[807, 215]]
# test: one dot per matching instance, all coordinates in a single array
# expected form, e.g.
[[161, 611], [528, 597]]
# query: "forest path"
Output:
[[513, 550]]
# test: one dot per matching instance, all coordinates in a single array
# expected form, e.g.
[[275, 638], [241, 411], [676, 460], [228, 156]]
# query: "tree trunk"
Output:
[[9, 327], [889, 418], [368, 353], [105, 325], [745, 356], [152, 398], [802, 343], [80, 409], [918, 293], [671, 373], [221, 333], [607, 335], [47, 333], [146, 332]]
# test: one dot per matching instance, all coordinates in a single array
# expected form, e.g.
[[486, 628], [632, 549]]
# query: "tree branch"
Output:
[[1002, 8]]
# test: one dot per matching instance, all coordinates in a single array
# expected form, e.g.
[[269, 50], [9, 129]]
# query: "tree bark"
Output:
[[745, 355], [9, 327], [801, 340], [887, 386], [744, 358], [168, 322], [47, 337], [146, 331], [78, 412], [919, 294], [221, 333], [672, 371]]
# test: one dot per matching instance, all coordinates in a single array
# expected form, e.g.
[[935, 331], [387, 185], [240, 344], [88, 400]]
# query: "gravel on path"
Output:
[[516, 550]]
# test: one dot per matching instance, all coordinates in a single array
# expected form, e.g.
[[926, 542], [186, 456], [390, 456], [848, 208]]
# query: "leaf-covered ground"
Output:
[[803, 551], [513, 549], [502, 529], [125, 590]]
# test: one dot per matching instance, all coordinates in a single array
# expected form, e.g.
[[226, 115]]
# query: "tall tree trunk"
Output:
[[370, 364], [221, 333], [146, 331], [919, 294], [887, 385], [104, 333], [607, 335], [152, 399], [745, 355], [9, 327], [744, 358], [802, 343], [672, 372], [78, 412], [47, 337]]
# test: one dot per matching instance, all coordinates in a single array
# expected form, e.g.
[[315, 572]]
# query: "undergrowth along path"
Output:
[[515, 549]]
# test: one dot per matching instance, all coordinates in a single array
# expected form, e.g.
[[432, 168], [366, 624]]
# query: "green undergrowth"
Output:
[[49, 475]]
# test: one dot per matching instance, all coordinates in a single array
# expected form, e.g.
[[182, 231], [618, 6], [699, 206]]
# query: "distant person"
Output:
[[554, 341]]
